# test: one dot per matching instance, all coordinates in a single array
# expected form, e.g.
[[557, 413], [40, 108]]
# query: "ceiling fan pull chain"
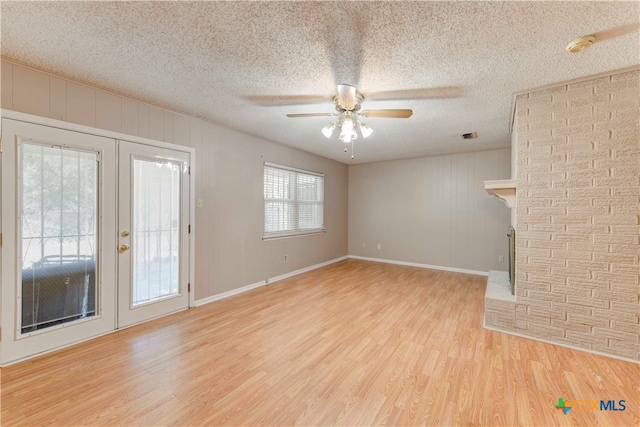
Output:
[[352, 144]]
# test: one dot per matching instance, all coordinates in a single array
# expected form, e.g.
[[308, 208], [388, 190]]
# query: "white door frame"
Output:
[[8, 224]]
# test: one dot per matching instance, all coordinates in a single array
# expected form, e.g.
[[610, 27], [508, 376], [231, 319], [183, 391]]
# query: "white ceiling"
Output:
[[237, 63]]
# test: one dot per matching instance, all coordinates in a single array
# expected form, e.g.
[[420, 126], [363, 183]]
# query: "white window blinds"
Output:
[[293, 201]]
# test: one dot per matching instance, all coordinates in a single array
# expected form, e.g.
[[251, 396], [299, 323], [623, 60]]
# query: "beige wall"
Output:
[[230, 252], [578, 198], [431, 210]]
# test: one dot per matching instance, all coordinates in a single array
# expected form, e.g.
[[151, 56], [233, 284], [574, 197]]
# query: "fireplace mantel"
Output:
[[504, 189]]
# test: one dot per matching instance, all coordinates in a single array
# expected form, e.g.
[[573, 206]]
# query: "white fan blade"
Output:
[[392, 114], [284, 100], [444, 92], [293, 116], [347, 96]]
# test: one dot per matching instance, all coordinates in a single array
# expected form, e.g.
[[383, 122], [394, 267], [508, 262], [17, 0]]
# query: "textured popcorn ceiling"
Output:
[[241, 63]]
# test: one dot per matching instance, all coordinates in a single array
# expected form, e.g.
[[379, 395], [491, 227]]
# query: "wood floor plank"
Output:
[[353, 343]]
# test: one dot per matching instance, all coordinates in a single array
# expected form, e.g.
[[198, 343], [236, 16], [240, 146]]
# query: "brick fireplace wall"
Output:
[[577, 222]]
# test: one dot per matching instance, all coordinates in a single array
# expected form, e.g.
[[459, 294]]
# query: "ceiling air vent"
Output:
[[471, 135]]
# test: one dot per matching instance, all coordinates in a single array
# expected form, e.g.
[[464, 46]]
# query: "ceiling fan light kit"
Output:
[[347, 103], [365, 130], [348, 129], [328, 129]]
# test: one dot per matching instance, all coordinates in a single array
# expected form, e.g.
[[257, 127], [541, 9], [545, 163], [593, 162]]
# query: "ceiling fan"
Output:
[[348, 102]]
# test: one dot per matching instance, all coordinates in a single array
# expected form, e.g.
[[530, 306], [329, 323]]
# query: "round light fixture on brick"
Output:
[[580, 44]]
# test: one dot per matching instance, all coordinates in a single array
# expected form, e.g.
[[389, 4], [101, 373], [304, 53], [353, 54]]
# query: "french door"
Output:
[[95, 236], [153, 235], [58, 249]]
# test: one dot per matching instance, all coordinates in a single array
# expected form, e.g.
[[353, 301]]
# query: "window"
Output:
[[59, 200], [156, 230], [293, 201]]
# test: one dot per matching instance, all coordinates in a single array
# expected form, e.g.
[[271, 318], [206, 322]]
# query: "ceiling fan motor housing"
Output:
[[356, 107]]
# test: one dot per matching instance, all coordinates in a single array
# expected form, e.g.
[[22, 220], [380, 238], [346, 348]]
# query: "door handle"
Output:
[[124, 248]]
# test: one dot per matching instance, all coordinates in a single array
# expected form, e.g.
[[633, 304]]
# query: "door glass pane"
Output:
[[59, 194], [156, 230]]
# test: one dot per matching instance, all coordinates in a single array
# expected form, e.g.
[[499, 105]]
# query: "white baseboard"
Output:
[[586, 350], [223, 295], [415, 264]]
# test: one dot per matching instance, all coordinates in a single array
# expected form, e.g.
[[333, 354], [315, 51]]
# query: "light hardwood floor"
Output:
[[353, 343]]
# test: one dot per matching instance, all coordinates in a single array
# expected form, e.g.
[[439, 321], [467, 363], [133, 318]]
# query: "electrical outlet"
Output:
[[286, 258], [364, 245], [379, 246], [501, 258], [199, 203]]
